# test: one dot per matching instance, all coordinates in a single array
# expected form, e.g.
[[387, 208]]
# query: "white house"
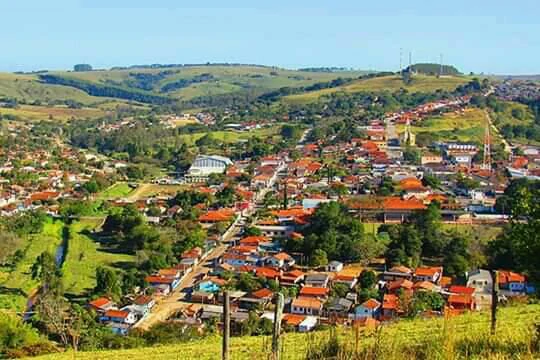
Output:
[[306, 306], [334, 266], [307, 324]]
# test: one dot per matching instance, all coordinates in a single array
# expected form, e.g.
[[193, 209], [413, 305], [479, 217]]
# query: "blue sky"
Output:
[[494, 36]]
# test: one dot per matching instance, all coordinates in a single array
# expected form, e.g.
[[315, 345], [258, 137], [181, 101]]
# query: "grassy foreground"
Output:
[[460, 337]]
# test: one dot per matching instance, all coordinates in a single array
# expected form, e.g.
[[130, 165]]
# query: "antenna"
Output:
[[487, 149], [401, 62], [410, 60], [441, 69]]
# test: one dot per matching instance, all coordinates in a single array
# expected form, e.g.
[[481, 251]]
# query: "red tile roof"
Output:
[[307, 302], [314, 291], [117, 314], [371, 304], [456, 289], [100, 302], [428, 271], [460, 299], [262, 293]]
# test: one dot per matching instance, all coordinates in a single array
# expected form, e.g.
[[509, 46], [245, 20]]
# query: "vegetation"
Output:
[[457, 338]]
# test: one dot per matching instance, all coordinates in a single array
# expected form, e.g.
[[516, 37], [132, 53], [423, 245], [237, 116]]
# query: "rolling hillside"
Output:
[[460, 337], [420, 83]]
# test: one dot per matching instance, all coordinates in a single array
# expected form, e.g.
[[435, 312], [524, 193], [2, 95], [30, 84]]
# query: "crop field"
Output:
[[457, 337], [84, 255], [467, 126], [420, 83], [37, 113], [17, 284]]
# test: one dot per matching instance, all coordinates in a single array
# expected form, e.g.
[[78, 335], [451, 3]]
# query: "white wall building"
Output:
[[204, 165]]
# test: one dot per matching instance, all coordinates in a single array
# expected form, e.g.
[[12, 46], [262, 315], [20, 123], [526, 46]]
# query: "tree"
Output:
[[339, 290], [456, 255], [368, 279], [108, 282], [319, 258], [82, 67], [519, 245], [429, 223]]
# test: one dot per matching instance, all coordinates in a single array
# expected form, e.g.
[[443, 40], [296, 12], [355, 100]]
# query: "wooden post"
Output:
[[494, 300], [278, 313], [226, 325]]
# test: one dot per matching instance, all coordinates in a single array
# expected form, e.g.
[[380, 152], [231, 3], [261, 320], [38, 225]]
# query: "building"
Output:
[[370, 308], [306, 306], [205, 165], [334, 266]]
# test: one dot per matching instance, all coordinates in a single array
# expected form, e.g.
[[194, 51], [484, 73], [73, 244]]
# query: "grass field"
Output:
[[458, 337], [84, 255], [420, 83], [36, 113], [18, 284], [468, 126], [149, 190], [234, 136], [29, 89], [116, 191]]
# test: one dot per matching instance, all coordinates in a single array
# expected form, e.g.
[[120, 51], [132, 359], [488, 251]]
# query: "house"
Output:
[[280, 260], [349, 280], [314, 292], [293, 320], [292, 277], [399, 285], [370, 308], [431, 159], [257, 299], [119, 316], [461, 302], [317, 280], [308, 324], [334, 266], [155, 281], [101, 305], [339, 306], [432, 274], [482, 282], [306, 306], [390, 306], [512, 282], [397, 272], [143, 304]]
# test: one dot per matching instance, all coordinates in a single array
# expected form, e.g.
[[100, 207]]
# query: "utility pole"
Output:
[[494, 300], [276, 333], [226, 326], [401, 62], [441, 69]]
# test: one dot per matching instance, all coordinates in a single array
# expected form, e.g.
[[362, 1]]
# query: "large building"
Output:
[[204, 165]]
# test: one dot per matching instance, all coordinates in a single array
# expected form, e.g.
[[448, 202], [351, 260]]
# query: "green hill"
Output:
[[419, 83], [160, 84], [460, 337]]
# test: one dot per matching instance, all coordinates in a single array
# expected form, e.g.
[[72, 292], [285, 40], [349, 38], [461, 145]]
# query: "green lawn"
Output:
[[420, 83], [116, 191], [18, 284], [84, 255], [448, 336], [233, 136]]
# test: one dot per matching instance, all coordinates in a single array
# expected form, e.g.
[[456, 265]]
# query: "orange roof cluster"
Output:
[[217, 215], [44, 195], [411, 184], [387, 203], [428, 271]]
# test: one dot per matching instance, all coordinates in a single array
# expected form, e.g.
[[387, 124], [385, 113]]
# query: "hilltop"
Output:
[[433, 69]]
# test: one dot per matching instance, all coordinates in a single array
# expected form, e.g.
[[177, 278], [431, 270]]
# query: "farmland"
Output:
[[116, 191], [52, 113], [232, 136], [458, 337], [420, 83]]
